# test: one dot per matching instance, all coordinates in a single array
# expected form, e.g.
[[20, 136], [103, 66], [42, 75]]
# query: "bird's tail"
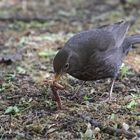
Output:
[[129, 42], [134, 39]]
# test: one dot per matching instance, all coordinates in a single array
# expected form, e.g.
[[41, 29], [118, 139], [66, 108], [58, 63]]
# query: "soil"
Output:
[[27, 107]]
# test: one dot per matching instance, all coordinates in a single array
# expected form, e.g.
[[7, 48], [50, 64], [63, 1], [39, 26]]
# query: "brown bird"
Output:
[[95, 54]]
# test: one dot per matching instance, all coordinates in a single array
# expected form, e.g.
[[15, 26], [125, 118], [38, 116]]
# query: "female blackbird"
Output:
[[95, 54]]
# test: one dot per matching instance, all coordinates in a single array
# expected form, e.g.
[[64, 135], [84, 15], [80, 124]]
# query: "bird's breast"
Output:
[[91, 72]]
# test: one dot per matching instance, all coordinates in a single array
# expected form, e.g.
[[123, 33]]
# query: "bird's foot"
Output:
[[77, 93], [107, 100], [75, 96]]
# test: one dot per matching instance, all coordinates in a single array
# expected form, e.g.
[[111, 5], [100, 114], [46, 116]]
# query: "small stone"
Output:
[[125, 126], [97, 129]]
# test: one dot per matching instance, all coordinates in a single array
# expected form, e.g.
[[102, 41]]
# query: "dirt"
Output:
[[27, 107]]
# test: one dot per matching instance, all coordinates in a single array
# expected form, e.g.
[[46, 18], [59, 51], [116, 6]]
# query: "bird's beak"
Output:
[[56, 77]]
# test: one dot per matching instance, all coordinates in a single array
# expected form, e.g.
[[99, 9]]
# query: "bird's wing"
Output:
[[118, 31], [103, 38], [91, 40]]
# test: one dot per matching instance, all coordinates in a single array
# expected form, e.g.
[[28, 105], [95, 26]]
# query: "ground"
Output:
[[27, 107]]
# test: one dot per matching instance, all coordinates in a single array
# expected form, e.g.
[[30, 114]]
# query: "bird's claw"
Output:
[[108, 100], [75, 96]]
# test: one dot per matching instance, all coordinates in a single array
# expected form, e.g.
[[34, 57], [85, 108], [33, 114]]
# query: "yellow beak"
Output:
[[56, 77]]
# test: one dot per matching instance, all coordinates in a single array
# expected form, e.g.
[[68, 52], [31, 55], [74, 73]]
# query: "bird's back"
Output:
[[99, 51], [102, 38]]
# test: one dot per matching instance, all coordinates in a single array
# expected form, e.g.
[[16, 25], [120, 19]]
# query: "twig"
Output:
[[29, 19], [40, 19], [14, 97]]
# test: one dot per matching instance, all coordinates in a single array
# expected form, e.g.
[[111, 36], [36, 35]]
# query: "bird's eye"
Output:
[[66, 66]]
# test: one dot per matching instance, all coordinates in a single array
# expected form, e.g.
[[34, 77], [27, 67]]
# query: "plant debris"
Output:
[[28, 109]]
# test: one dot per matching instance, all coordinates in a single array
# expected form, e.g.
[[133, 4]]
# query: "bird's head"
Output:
[[61, 63]]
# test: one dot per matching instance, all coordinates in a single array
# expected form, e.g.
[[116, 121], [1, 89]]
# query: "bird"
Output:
[[95, 54]]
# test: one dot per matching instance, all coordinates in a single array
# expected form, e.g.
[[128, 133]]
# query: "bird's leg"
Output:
[[111, 89], [76, 95], [110, 92]]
